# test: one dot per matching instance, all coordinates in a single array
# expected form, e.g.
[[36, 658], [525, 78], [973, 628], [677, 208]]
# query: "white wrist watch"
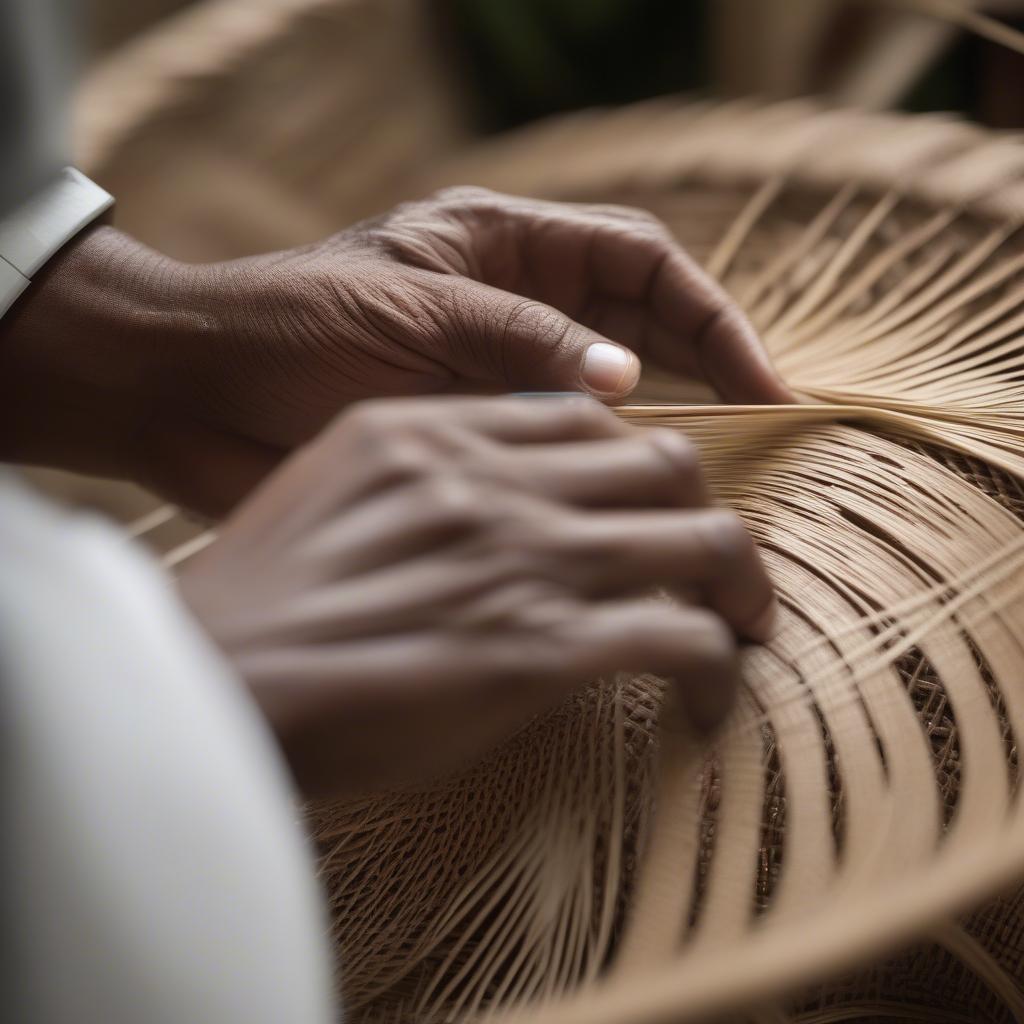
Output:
[[32, 232]]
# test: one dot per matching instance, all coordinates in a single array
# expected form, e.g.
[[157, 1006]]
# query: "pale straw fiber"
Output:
[[600, 868]]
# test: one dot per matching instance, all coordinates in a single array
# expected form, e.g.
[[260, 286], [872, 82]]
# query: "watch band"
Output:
[[32, 232]]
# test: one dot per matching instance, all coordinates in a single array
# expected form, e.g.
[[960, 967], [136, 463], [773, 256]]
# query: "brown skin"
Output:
[[423, 576], [198, 379], [480, 558]]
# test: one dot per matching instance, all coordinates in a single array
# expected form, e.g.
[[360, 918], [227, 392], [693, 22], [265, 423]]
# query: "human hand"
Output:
[[196, 380], [477, 560], [471, 290]]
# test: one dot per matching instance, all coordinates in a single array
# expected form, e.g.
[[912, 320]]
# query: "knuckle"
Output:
[[463, 195], [642, 223], [526, 535], [627, 212], [499, 540], [450, 497], [516, 547], [491, 468], [678, 451], [521, 608], [639, 214], [543, 610], [369, 419], [714, 644], [545, 326], [400, 458], [726, 316], [547, 627], [653, 225], [731, 314], [591, 416], [724, 536]]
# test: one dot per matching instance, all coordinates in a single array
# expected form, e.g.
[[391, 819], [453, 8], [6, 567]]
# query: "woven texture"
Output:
[[866, 789]]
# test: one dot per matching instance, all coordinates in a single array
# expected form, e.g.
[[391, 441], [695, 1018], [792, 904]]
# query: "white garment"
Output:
[[37, 64], [41, 206], [34, 230], [154, 872]]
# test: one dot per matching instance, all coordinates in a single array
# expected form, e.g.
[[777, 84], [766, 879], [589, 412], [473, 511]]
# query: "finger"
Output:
[[657, 299], [653, 468], [539, 247], [632, 259], [404, 442], [527, 345], [696, 315], [691, 646], [394, 525], [395, 599], [394, 708], [568, 416], [356, 715], [707, 549], [518, 670], [571, 254]]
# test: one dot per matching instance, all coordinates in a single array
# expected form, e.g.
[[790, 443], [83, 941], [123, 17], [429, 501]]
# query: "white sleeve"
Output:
[[36, 70], [155, 870], [33, 231]]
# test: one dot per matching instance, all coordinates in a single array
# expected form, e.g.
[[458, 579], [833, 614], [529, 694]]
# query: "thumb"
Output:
[[522, 344]]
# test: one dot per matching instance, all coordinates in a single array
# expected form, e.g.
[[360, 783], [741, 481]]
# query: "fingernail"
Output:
[[608, 369], [764, 627]]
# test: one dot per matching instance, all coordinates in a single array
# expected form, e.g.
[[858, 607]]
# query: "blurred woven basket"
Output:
[[868, 788], [231, 128]]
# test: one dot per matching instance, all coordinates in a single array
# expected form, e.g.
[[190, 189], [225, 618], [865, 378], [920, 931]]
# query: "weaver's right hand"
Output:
[[416, 582]]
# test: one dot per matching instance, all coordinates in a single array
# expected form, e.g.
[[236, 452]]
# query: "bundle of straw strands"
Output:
[[604, 868]]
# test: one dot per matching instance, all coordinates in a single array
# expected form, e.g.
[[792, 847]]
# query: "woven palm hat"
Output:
[[603, 866]]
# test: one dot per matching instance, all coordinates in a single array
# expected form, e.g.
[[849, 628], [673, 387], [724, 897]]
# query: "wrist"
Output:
[[86, 354]]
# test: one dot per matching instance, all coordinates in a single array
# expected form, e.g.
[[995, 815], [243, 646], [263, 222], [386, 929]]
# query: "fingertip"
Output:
[[609, 371], [707, 708], [764, 628], [699, 715], [707, 691]]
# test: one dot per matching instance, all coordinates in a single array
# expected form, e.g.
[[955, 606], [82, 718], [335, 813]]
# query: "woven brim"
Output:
[[865, 790]]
